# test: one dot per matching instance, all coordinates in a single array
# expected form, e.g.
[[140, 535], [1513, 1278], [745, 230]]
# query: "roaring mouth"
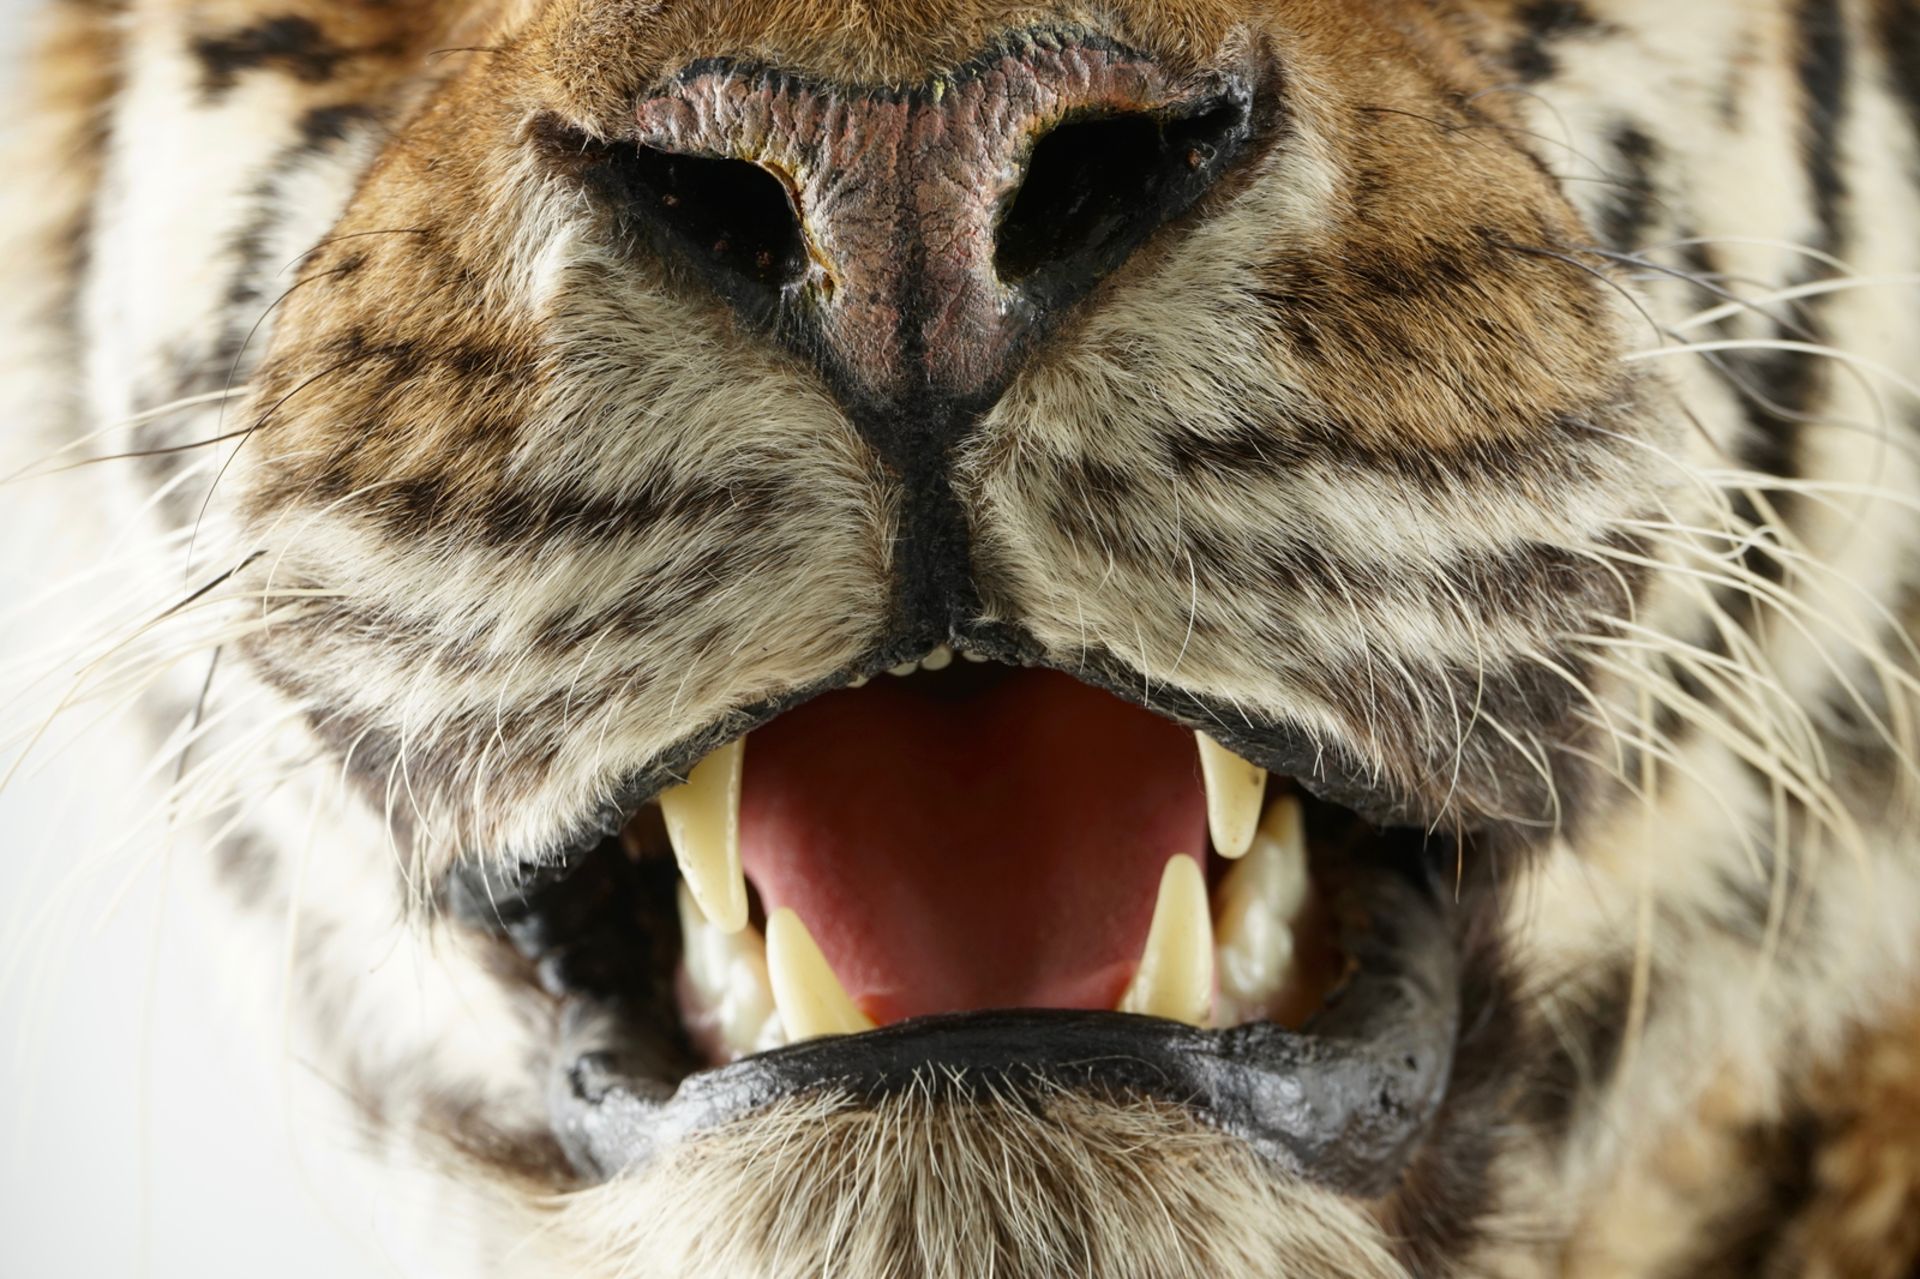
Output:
[[961, 875]]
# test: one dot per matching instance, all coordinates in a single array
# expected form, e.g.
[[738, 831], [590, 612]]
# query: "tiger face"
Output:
[[1188, 638]]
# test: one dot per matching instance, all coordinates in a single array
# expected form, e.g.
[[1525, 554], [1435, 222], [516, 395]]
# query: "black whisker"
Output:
[[132, 454], [351, 235], [202, 591]]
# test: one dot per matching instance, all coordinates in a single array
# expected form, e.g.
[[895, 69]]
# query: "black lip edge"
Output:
[[1324, 769], [1344, 1103]]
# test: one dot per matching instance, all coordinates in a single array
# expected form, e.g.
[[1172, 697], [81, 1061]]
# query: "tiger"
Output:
[[1162, 638]]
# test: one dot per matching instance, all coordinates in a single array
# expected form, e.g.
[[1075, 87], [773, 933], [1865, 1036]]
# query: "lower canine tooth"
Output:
[[1235, 789], [1175, 977], [811, 1000], [703, 824]]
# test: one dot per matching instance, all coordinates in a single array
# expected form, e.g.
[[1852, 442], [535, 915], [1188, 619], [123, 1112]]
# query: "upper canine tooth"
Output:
[[703, 823], [811, 1000], [1175, 977], [1234, 792], [1260, 899]]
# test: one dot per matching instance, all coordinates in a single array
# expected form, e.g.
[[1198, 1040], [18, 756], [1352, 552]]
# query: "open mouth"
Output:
[[962, 874]]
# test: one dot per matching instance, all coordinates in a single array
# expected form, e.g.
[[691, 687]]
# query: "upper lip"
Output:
[[1279, 745], [1343, 1102]]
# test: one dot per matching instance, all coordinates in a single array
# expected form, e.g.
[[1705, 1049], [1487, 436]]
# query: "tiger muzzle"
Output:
[[916, 243]]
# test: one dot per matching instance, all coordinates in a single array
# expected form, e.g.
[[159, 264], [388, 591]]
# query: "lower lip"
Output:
[[1343, 1103]]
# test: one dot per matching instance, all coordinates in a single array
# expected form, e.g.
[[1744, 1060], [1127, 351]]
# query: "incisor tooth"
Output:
[[1260, 898], [811, 1000], [1234, 791], [703, 823], [1175, 977]]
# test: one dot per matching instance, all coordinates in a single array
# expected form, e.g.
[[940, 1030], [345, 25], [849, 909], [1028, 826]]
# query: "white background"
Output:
[[145, 1129]]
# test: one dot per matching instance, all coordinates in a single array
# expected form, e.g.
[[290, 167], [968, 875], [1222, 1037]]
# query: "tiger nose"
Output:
[[916, 242]]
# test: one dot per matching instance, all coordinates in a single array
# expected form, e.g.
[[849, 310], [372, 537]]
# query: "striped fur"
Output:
[[1530, 430]]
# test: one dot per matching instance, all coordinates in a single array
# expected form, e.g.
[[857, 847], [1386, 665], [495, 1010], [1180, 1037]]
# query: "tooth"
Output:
[[938, 660], [972, 656], [1259, 900], [1175, 977], [1234, 791], [905, 668], [1284, 828], [858, 681], [726, 973], [703, 822], [811, 1000]]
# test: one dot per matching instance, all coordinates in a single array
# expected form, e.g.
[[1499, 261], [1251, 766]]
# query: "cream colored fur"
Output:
[[406, 1017]]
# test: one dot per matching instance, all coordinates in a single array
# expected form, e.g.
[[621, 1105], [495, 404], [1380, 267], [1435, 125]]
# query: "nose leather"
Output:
[[899, 192]]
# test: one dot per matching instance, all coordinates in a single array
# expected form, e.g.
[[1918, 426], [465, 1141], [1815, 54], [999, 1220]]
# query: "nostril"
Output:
[[731, 222], [729, 219], [1096, 188]]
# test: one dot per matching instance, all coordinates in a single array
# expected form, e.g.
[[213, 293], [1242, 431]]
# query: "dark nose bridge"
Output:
[[899, 194]]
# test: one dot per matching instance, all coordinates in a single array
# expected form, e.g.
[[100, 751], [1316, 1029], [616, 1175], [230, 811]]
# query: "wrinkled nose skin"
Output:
[[915, 243], [927, 235]]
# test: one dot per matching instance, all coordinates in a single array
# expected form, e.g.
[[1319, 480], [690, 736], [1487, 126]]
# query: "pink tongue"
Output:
[[974, 839]]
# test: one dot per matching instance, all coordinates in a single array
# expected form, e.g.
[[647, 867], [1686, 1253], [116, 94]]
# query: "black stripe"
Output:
[[1782, 390], [1563, 451], [1634, 201], [1897, 24], [1824, 66], [293, 44], [534, 520], [1582, 1050], [1544, 23], [1777, 1180]]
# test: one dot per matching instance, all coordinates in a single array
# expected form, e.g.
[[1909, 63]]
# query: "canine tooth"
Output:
[[811, 1000], [728, 976], [938, 660], [1260, 898], [1234, 792], [703, 824], [1175, 977]]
